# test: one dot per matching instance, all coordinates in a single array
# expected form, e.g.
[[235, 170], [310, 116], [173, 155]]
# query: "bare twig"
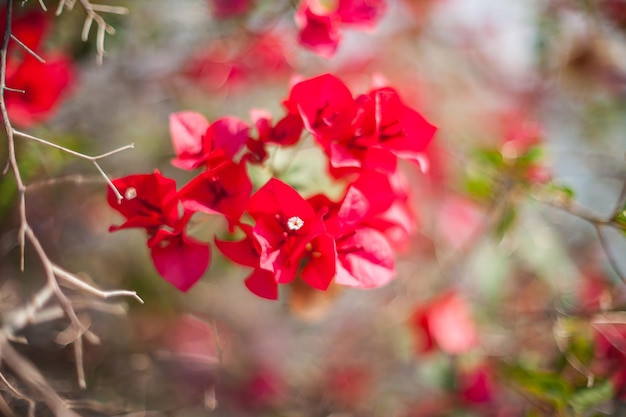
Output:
[[28, 373], [35, 310], [93, 159], [609, 255], [17, 394], [27, 49], [93, 15]]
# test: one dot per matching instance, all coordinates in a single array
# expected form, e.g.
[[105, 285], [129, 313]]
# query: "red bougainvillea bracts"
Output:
[[286, 236], [151, 203], [36, 87], [369, 132], [320, 22]]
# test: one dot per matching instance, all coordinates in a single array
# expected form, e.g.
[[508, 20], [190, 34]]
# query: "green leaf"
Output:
[[488, 158], [547, 386], [506, 221], [586, 398]]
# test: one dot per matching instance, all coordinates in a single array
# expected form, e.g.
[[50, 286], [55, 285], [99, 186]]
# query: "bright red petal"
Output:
[[318, 33], [366, 260], [321, 266], [224, 190], [263, 284], [361, 12], [43, 85], [187, 130], [180, 260], [228, 135]]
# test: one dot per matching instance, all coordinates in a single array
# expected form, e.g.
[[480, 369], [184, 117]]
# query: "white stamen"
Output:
[[130, 193], [295, 223]]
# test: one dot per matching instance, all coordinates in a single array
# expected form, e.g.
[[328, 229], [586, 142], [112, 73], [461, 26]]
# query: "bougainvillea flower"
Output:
[[285, 132], [198, 142], [223, 9], [320, 21], [476, 385], [361, 12], [610, 353], [179, 259], [150, 202], [365, 258], [319, 33], [239, 62], [370, 132], [325, 105], [445, 323], [224, 189], [43, 85], [247, 252], [389, 124], [29, 27], [289, 232], [391, 212]]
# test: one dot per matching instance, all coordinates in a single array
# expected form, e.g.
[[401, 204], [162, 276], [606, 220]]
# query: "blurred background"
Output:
[[497, 303]]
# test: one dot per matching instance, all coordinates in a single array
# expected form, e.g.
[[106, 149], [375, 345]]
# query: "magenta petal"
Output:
[[276, 197], [262, 283], [243, 252], [366, 260], [224, 190], [318, 33], [229, 134], [321, 267], [181, 260], [187, 130]]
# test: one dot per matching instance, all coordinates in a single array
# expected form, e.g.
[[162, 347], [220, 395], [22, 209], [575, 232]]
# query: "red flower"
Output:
[[42, 83], [288, 232], [370, 132], [223, 9], [247, 252], [285, 132], [151, 203], [224, 190], [445, 323], [197, 143], [361, 12], [239, 62], [320, 21], [179, 259], [319, 33], [365, 258]]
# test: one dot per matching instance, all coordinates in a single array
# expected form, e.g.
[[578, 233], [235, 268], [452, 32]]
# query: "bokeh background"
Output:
[[495, 308]]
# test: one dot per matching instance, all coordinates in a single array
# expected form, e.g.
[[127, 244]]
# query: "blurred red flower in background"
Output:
[[42, 84]]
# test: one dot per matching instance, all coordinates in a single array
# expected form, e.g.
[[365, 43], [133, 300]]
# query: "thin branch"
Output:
[[92, 11], [76, 282], [71, 152], [28, 373], [15, 90], [93, 159], [609, 255], [17, 394], [27, 49], [560, 334], [621, 200]]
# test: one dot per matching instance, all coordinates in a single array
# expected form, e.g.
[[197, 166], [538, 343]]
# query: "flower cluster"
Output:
[[320, 21], [35, 86], [285, 235]]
